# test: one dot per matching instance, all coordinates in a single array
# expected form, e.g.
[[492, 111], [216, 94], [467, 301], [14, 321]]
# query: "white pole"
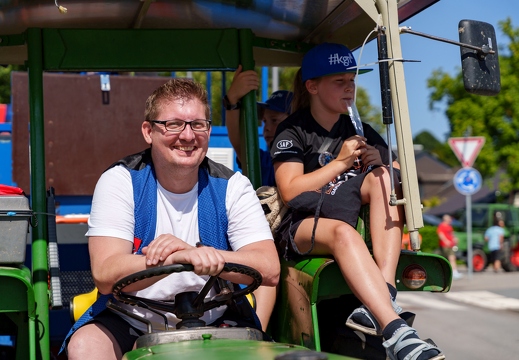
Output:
[[469, 234], [275, 78]]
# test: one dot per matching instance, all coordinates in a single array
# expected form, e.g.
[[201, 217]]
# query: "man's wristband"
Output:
[[228, 106]]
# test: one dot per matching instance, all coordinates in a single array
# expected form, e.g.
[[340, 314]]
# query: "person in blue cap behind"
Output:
[[271, 112], [325, 171]]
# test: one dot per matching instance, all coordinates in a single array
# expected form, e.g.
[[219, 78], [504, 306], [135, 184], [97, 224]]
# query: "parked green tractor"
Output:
[[484, 216]]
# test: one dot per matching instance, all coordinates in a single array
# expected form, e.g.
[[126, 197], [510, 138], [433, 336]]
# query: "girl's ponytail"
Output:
[[301, 96]]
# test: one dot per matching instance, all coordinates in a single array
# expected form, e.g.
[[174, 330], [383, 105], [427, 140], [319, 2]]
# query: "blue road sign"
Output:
[[467, 181]]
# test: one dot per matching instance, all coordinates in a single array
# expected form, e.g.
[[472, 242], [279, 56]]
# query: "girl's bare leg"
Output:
[[358, 268], [386, 221]]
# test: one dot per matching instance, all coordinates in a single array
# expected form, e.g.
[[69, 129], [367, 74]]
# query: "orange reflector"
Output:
[[414, 277]]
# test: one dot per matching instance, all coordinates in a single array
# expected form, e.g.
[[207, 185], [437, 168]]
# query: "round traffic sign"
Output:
[[467, 181]]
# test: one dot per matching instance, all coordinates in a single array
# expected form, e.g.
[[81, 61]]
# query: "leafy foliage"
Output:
[[5, 84], [430, 242], [496, 118], [368, 113], [429, 239], [441, 151], [428, 141]]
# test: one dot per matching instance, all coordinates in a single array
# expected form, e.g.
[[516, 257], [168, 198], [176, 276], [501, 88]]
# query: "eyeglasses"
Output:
[[177, 126]]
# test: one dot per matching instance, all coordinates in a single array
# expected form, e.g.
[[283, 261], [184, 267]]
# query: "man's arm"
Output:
[[454, 238], [262, 256], [111, 260], [242, 83]]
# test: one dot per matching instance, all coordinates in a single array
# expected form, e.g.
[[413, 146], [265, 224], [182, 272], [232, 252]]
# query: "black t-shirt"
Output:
[[299, 139]]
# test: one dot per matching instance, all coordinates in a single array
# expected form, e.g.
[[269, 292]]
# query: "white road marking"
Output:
[[408, 300], [485, 299]]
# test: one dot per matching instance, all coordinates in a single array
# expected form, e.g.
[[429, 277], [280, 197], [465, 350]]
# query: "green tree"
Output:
[[494, 117], [432, 145], [427, 140], [369, 113], [5, 84]]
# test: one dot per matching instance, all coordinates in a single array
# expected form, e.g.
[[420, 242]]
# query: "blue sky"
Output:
[[441, 19]]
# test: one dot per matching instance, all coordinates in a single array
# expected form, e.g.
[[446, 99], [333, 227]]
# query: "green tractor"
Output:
[[484, 216]]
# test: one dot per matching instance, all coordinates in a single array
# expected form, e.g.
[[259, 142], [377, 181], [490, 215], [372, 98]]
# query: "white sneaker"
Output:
[[362, 319], [456, 275]]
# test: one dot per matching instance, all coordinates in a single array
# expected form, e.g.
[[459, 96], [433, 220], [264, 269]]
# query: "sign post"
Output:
[[467, 180]]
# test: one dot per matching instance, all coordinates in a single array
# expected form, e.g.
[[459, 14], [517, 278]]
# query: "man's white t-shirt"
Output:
[[112, 215]]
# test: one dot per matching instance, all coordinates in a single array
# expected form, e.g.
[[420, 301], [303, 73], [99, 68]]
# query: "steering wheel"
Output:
[[188, 306]]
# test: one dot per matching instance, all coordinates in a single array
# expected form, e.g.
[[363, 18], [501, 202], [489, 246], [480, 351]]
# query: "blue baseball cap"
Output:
[[329, 59], [279, 101]]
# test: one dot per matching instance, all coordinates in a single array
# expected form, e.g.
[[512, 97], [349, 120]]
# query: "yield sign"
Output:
[[466, 148]]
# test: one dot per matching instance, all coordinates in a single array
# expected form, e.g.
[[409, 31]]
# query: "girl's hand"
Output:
[[352, 148], [371, 156]]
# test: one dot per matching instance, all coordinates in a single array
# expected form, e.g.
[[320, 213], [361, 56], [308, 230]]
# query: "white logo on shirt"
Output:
[[284, 144], [345, 60]]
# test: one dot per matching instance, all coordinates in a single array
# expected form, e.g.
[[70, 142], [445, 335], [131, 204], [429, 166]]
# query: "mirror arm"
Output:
[[482, 51]]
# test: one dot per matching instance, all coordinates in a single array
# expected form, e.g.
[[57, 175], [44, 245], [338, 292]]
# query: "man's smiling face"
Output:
[[186, 149]]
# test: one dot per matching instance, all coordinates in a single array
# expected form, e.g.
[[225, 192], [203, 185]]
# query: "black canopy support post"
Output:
[[387, 111], [38, 187], [383, 66], [248, 115]]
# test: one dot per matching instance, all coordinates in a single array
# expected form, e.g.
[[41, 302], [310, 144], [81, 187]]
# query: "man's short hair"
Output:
[[176, 89]]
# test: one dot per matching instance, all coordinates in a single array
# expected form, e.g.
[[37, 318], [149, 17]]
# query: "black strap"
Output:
[[323, 148], [316, 218]]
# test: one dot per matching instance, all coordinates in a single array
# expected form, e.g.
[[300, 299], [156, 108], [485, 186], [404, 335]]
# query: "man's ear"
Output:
[[146, 131], [311, 86]]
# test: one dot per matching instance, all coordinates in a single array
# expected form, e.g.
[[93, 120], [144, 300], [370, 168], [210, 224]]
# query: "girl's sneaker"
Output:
[[362, 319], [406, 337]]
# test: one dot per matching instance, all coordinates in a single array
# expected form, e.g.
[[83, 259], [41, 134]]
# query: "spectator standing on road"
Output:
[[495, 235], [447, 242]]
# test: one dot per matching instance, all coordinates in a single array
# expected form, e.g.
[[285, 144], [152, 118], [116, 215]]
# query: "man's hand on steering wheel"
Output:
[[190, 305], [167, 249], [163, 246], [205, 260]]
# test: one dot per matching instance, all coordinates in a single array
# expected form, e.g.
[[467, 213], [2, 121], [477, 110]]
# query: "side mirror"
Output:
[[480, 67]]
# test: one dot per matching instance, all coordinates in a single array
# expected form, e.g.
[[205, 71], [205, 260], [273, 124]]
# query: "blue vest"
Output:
[[212, 214]]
